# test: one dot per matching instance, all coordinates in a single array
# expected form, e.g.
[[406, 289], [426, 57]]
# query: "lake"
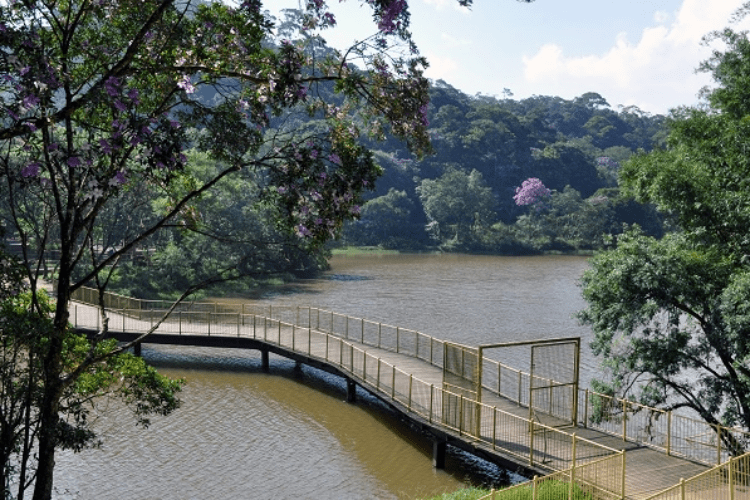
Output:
[[242, 433]]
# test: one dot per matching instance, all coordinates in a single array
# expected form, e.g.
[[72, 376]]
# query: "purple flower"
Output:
[[74, 161], [531, 191], [302, 231], [334, 158], [112, 86], [118, 180], [104, 144], [186, 84], [120, 106], [30, 170]]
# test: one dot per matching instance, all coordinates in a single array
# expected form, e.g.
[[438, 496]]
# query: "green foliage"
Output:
[[669, 316]]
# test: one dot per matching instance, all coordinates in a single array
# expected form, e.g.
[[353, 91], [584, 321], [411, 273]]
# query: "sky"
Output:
[[631, 52]]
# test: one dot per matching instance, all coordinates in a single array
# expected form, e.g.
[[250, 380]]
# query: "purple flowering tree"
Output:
[[100, 101], [531, 192]]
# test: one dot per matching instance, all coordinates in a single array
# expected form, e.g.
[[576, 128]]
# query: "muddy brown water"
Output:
[[244, 434]]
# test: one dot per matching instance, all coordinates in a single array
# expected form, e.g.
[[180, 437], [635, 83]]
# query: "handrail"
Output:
[[484, 424], [668, 432]]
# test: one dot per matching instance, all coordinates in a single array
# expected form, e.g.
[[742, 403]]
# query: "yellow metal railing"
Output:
[[598, 480], [728, 481], [537, 444], [669, 432]]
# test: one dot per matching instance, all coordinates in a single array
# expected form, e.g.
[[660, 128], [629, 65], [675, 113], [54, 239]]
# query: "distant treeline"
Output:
[[462, 197]]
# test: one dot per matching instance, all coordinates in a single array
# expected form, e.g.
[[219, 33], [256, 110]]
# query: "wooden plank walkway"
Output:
[[498, 429]]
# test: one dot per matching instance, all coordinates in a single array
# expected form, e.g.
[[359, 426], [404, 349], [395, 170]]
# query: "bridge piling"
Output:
[[438, 453], [351, 391], [264, 360]]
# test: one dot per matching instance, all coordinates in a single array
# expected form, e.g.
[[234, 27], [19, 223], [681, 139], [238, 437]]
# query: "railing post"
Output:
[[179, 320], [519, 389], [624, 420], [432, 341], [75, 314], [279, 331], [718, 444], [494, 427], [533, 487], [346, 327], [622, 479], [586, 410], [294, 335], [682, 488], [380, 331], [397, 338], [393, 384], [362, 339], [531, 444], [331, 329], [377, 384], [411, 377], [364, 366], [432, 391], [572, 469], [309, 341], [327, 337], [460, 414], [730, 479], [669, 432]]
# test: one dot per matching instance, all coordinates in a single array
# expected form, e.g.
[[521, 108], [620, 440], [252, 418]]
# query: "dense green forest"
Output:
[[461, 198]]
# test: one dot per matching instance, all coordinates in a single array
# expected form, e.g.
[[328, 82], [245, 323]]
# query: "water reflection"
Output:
[[244, 434]]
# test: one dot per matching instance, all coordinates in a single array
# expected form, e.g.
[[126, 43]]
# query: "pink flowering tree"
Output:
[[100, 101], [531, 192]]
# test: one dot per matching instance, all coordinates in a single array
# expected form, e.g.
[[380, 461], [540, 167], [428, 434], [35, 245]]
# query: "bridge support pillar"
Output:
[[264, 360], [438, 454], [137, 349], [351, 391]]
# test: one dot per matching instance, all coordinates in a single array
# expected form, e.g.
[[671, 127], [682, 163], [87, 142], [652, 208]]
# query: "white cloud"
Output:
[[443, 4], [656, 73], [440, 67], [453, 41]]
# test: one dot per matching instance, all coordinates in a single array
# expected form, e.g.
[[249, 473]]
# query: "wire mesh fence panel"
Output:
[[424, 348], [728, 481], [371, 333], [388, 337], [401, 386]]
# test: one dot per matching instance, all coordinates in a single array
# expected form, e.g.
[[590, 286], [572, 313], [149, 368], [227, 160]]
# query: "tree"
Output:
[[455, 204], [100, 102], [670, 316]]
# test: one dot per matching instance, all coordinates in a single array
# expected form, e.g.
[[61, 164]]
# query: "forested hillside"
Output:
[[461, 198]]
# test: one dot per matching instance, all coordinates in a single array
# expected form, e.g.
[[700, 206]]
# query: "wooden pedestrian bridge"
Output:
[[537, 422]]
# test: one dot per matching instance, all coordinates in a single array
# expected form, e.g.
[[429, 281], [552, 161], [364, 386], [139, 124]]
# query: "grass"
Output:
[[548, 490], [351, 251]]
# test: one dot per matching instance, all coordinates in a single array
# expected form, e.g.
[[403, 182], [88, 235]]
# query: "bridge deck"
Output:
[[389, 375]]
